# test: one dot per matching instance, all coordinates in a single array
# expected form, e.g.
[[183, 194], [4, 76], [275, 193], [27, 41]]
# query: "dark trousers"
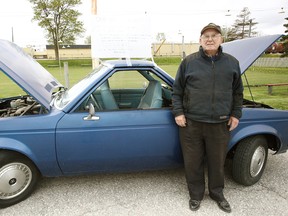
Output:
[[198, 140]]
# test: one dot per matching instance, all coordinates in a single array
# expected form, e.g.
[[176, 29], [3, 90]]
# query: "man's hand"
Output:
[[233, 123], [180, 120]]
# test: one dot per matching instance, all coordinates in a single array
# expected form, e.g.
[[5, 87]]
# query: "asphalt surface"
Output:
[[154, 193]]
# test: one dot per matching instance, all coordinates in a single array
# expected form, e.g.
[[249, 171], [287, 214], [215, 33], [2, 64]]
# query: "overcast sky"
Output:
[[167, 16]]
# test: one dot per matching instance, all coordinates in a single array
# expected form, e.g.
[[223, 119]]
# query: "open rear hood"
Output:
[[248, 50], [27, 73]]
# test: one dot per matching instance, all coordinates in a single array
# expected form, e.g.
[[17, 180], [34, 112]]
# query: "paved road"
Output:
[[154, 193]]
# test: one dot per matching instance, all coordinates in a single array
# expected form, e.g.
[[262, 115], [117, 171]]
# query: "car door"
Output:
[[121, 139]]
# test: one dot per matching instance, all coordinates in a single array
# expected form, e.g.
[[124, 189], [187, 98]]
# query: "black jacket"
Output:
[[208, 89]]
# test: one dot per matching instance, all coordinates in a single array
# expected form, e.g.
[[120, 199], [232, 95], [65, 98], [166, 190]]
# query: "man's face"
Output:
[[210, 40]]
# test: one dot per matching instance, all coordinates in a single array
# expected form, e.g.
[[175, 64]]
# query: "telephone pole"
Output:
[[94, 7], [95, 61]]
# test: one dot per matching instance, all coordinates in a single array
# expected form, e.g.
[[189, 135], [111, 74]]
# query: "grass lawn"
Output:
[[257, 77]]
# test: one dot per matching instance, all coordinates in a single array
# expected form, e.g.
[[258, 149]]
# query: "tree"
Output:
[[88, 40], [285, 40], [59, 19], [243, 27], [227, 33], [160, 37]]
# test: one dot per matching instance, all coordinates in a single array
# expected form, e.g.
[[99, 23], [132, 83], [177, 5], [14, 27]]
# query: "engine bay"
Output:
[[20, 106]]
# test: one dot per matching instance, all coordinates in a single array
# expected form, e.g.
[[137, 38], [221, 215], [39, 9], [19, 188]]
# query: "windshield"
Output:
[[62, 98]]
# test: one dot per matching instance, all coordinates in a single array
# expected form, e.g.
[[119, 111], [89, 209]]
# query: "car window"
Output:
[[64, 98], [129, 89], [127, 79]]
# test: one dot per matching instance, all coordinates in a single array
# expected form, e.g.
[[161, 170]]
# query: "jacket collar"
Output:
[[214, 58]]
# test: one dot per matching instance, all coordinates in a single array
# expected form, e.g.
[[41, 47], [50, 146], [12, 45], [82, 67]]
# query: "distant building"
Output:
[[174, 49], [69, 51], [84, 51]]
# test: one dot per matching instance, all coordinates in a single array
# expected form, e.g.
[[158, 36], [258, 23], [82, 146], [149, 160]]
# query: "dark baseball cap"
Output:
[[211, 26]]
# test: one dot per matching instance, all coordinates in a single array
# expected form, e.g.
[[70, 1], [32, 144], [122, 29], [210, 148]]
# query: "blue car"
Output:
[[117, 119]]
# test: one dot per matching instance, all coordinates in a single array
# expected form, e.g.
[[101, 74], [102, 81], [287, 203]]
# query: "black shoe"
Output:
[[224, 205], [194, 204]]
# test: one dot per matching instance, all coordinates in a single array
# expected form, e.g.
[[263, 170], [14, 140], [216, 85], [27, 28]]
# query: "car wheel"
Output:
[[18, 178], [250, 160]]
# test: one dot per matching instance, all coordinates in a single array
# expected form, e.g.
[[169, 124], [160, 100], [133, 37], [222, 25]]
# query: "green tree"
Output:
[[59, 19], [244, 26], [285, 40], [227, 33], [88, 40]]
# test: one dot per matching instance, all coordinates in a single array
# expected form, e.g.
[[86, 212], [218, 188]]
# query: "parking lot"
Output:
[[154, 193]]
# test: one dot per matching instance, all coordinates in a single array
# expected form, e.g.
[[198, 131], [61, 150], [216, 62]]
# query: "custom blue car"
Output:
[[117, 119]]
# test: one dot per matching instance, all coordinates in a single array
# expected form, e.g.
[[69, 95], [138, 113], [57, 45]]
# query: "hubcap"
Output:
[[14, 179], [257, 162]]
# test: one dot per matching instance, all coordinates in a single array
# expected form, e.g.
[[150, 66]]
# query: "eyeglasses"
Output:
[[213, 37]]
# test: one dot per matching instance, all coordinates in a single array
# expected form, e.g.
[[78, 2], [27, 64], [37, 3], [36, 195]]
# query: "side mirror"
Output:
[[91, 115]]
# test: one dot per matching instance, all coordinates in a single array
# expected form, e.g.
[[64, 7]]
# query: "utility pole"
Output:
[[95, 61], [94, 7]]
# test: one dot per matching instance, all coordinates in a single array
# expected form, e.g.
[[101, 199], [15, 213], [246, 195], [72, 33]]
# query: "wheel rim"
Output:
[[14, 179], [257, 162]]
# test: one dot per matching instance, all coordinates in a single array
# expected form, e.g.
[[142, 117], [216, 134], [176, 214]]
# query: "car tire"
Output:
[[250, 160], [18, 178]]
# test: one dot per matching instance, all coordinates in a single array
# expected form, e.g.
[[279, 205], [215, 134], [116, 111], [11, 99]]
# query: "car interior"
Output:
[[130, 90]]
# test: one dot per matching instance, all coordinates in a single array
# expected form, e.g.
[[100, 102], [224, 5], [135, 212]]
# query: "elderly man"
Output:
[[207, 105]]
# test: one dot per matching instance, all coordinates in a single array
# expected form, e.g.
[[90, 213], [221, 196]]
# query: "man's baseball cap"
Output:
[[211, 26]]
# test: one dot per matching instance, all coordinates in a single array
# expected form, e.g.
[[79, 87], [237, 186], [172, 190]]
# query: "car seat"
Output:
[[152, 97], [108, 99]]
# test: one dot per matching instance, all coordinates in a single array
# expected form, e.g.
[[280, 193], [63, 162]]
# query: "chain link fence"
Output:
[[271, 62]]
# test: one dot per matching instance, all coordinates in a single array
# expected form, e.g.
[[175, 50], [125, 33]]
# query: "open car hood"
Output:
[[248, 50], [27, 73]]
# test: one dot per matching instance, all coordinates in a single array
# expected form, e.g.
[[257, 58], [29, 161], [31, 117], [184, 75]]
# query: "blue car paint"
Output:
[[256, 121], [118, 141], [34, 137]]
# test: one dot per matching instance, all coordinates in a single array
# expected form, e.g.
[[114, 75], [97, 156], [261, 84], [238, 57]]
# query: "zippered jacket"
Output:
[[208, 89]]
